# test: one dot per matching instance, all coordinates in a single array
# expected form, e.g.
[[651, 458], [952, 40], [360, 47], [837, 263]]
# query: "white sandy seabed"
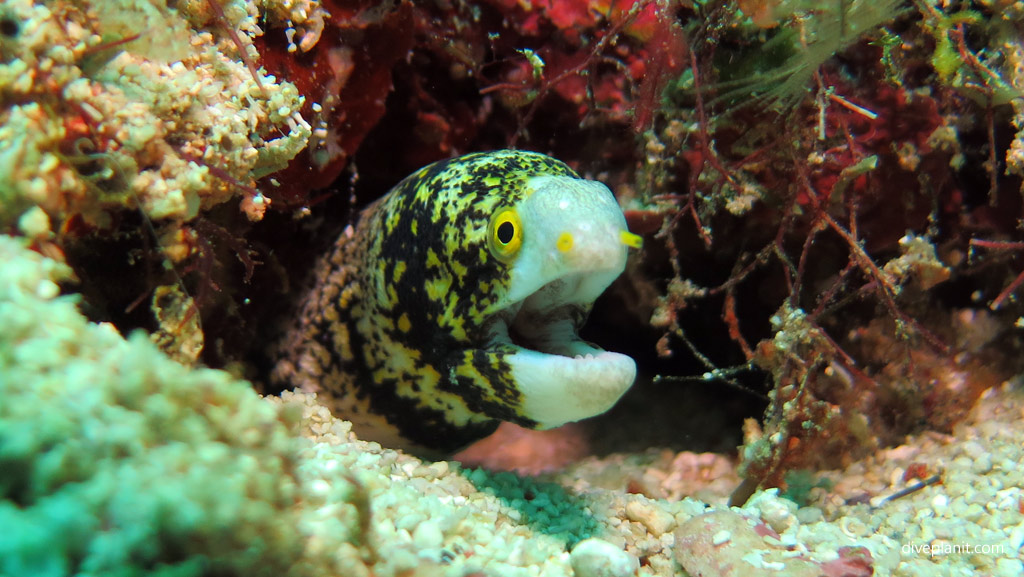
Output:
[[970, 523]]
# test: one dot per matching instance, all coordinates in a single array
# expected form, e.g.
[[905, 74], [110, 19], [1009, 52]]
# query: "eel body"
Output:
[[455, 302]]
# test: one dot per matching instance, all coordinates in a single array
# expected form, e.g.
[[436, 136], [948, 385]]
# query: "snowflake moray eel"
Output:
[[455, 304]]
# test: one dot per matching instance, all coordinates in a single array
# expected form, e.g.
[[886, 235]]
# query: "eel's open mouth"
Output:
[[562, 378]]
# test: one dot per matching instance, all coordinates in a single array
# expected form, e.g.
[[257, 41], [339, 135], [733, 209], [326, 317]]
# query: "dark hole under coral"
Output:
[[9, 27]]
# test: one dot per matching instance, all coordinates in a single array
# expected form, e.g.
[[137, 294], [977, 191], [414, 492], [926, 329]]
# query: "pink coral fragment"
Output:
[[726, 543]]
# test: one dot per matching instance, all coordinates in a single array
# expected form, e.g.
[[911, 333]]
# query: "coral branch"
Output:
[[732, 321], [997, 244], [1007, 292], [222, 19]]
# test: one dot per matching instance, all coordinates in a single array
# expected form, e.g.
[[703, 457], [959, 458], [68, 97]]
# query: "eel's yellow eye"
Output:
[[505, 234]]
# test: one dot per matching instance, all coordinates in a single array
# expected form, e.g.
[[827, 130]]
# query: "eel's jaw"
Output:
[[558, 390], [561, 377]]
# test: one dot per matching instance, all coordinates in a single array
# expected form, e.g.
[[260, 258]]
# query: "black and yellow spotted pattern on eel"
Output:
[[455, 303]]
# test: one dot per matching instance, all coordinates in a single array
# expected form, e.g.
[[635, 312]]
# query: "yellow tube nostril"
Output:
[[631, 240], [564, 242]]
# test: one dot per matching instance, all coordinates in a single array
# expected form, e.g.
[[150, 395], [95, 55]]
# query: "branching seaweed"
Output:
[[811, 35], [834, 228], [537, 85]]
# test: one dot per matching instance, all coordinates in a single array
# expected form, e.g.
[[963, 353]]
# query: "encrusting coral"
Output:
[[127, 104], [115, 113], [115, 460]]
